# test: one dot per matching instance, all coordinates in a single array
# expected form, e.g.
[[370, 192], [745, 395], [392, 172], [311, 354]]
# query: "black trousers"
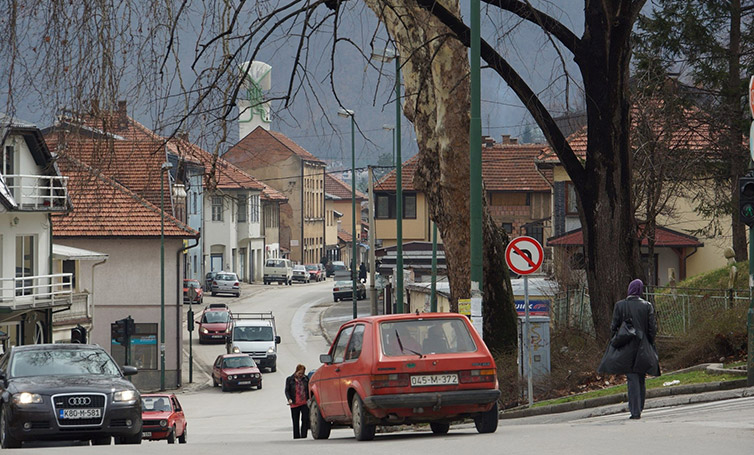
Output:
[[637, 392], [300, 413]]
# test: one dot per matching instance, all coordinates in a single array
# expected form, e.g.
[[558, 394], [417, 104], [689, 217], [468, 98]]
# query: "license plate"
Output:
[[146, 434], [217, 336], [244, 382], [93, 413], [434, 379]]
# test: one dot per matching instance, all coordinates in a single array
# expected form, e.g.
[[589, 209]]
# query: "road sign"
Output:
[[751, 95], [524, 255]]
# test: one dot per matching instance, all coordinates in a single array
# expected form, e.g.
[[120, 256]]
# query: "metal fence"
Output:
[[677, 310]]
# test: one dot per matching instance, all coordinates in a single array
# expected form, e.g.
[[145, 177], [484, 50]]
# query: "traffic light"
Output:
[[130, 327], [118, 331], [746, 199], [78, 335]]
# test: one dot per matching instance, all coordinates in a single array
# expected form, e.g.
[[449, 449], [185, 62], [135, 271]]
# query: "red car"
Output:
[[215, 324], [197, 289], [315, 273], [236, 371], [404, 369], [162, 417]]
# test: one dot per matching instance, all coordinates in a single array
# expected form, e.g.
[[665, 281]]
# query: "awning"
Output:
[[66, 253]]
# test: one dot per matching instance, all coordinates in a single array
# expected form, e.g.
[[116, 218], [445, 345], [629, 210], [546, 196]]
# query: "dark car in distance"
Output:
[[64, 392]]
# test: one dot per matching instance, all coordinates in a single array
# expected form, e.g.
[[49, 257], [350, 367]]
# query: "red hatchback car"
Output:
[[162, 417], [236, 371], [197, 291], [404, 368], [215, 324]]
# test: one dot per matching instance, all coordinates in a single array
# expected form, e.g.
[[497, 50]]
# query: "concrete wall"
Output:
[[129, 284]]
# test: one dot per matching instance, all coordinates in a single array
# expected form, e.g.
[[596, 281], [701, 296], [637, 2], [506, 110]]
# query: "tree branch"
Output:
[[527, 96]]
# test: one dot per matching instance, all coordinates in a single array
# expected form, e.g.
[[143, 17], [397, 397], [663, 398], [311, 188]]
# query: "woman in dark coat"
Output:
[[639, 357], [297, 393]]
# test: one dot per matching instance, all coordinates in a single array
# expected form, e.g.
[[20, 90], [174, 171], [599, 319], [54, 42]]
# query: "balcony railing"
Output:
[[36, 291], [46, 193]]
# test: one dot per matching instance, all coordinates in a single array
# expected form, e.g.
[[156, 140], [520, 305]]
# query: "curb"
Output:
[[692, 393]]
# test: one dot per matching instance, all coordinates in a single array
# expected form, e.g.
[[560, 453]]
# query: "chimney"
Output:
[[182, 135], [122, 115], [488, 141], [508, 140]]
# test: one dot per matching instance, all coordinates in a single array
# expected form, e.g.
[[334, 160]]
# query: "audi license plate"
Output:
[[93, 413], [434, 379]]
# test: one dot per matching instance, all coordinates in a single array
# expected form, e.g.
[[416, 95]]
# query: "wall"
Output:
[[314, 215], [418, 229]]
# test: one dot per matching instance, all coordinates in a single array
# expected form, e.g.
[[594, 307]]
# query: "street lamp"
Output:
[[385, 56], [391, 128], [166, 166], [349, 113]]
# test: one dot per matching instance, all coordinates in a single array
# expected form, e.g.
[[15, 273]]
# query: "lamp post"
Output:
[[165, 167], [475, 158], [388, 55], [349, 113]]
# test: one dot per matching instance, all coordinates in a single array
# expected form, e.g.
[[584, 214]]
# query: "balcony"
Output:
[[40, 291], [80, 311], [38, 193]]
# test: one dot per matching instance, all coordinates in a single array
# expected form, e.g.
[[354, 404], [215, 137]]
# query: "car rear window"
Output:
[[225, 277], [425, 336], [214, 317], [275, 263]]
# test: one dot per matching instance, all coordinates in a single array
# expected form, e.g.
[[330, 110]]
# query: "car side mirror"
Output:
[[277, 339], [128, 370], [325, 358]]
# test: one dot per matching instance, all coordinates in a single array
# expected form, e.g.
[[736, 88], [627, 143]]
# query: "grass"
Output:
[[718, 279], [691, 377]]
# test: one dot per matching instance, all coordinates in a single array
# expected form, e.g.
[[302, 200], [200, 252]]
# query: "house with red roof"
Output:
[[282, 164], [338, 196]]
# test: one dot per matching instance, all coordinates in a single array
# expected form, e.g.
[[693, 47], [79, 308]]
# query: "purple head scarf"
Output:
[[636, 287]]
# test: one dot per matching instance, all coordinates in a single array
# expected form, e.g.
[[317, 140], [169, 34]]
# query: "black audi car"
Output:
[[66, 392]]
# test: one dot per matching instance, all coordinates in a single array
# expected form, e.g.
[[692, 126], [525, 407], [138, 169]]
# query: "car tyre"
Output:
[[7, 441], [362, 430], [224, 385], [213, 294], [486, 422], [171, 436], [214, 382], [319, 427], [259, 387], [182, 437], [439, 427], [274, 367]]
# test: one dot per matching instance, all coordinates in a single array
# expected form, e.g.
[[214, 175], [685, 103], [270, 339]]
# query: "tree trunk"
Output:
[[435, 73]]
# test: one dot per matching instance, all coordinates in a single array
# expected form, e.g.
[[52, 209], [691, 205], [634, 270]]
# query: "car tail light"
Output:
[[336, 289], [389, 380], [214, 283], [235, 284], [471, 376]]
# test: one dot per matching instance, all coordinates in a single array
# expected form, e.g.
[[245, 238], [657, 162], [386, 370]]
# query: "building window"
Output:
[[409, 206], [195, 197], [242, 208], [383, 207], [143, 347], [571, 206], [25, 264], [254, 214], [217, 208], [69, 266], [386, 206]]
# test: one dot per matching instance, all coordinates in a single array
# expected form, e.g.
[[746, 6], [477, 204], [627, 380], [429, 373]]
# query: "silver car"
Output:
[[226, 283], [300, 274]]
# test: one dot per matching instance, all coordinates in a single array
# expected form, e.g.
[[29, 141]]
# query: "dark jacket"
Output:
[[638, 356], [290, 387]]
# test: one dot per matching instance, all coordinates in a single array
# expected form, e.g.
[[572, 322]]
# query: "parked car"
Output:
[[226, 283], [341, 290], [404, 369], [64, 392], [215, 325], [236, 371], [208, 280], [276, 269], [315, 274], [300, 274], [197, 290], [339, 269], [163, 418]]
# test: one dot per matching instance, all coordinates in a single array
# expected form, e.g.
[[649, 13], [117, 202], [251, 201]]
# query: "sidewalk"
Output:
[[340, 312]]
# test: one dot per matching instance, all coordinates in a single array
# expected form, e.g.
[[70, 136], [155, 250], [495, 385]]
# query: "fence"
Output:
[[676, 310]]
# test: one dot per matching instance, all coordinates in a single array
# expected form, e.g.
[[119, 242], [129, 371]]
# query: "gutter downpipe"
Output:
[[179, 302], [91, 316]]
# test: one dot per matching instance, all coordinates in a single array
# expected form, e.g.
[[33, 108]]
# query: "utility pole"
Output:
[[372, 235], [475, 165]]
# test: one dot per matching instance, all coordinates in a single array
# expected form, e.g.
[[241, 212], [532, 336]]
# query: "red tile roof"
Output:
[[664, 237], [505, 167], [344, 236], [104, 208], [337, 187], [218, 172], [271, 194], [260, 144]]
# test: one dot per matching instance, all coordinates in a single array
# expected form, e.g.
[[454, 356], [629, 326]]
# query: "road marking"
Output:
[[298, 322]]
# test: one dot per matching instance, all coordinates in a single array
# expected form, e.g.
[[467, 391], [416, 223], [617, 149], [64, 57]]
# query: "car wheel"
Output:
[[104, 441], [274, 367], [362, 430], [439, 427], [171, 436], [213, 294], [224, 386], [318, 425], [182, 437], [214, 382], [7, 441], [259, 386], [334, 299], [238, 295], [486, 422]]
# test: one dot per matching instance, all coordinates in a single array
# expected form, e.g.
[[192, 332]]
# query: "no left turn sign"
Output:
[[524, 255]]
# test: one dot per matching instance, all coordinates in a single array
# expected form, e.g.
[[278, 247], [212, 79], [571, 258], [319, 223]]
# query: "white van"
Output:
[[280, 270], [255, 334]]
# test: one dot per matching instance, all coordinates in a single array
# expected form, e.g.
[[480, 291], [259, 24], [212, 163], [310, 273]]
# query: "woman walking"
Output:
[[297, 393]]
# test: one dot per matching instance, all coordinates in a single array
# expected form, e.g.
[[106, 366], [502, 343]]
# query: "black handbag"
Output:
[[625, 334]]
